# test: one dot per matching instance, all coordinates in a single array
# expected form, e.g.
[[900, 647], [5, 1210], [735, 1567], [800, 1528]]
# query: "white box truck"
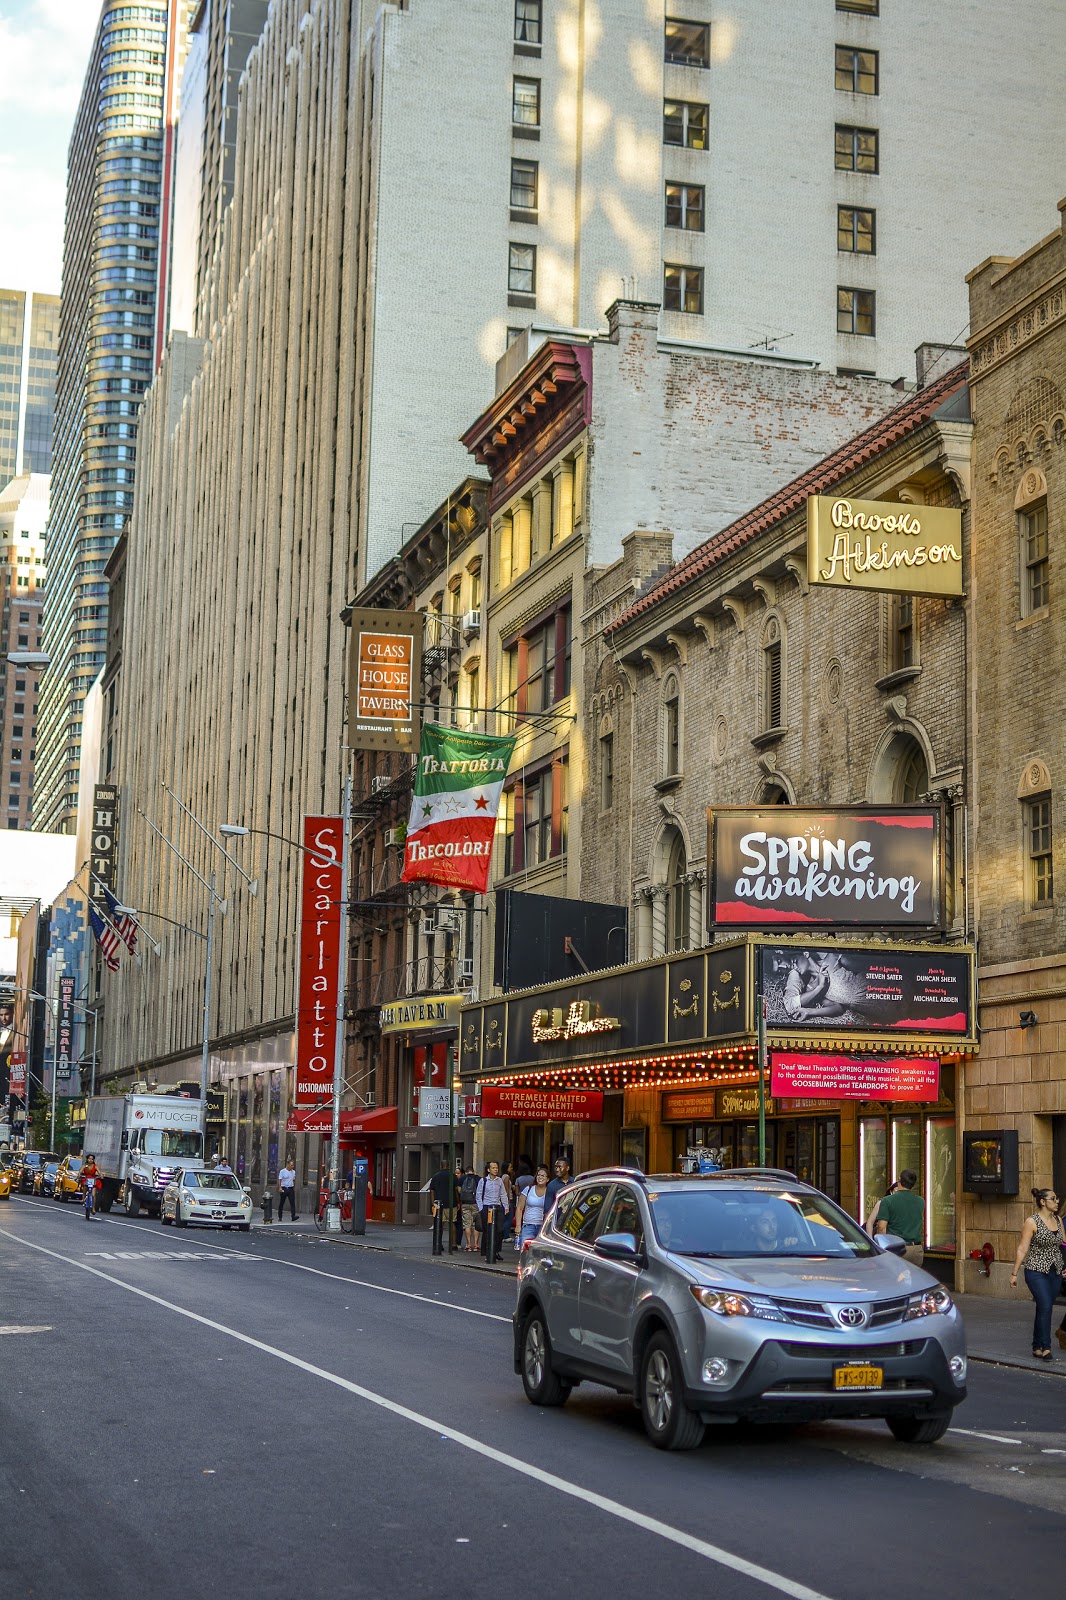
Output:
[[139, 1141]]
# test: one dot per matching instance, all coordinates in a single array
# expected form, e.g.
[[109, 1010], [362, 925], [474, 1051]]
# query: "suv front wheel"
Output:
[[543, 1386], [919, 1430], [668, 1422]]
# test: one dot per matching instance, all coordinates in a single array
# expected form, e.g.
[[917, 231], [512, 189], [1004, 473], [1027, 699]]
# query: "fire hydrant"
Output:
[[267, 1204]]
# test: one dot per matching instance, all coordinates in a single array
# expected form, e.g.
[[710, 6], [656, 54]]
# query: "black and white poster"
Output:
[[872, 989]]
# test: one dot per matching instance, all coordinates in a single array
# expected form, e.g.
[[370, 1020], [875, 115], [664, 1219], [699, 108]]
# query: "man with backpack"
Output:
[[468, 1202]]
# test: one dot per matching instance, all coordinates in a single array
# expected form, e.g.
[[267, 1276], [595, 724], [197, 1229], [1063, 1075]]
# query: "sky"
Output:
[[44, 48]]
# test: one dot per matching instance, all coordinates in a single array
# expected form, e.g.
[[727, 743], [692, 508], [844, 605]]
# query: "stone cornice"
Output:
[[1022, 325]]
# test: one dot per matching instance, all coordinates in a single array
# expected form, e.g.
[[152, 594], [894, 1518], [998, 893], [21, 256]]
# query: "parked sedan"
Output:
[[742, 1295], [214, 1199], [44, 1178], [68, 1178]]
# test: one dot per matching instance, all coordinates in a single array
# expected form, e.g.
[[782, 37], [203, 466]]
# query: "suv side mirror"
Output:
[[618, 1246], [891, 1243]]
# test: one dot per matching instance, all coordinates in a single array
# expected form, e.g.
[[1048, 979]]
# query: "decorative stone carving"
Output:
[[1031, 486], [1035, 779], [832, 683], [720, 737]]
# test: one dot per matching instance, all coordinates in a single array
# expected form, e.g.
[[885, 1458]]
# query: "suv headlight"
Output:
[[931, 1303], [724, 1303]]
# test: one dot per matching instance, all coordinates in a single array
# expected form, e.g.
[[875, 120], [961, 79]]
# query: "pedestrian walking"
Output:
[[561, 1176], [492, 1203], [903, 1214], [468, 1186], [287, 1189], [532, 1204], [1040, 1253], [223, 1165], [510, 1185], [443, 1190], [90, 1176], [871, 1221]]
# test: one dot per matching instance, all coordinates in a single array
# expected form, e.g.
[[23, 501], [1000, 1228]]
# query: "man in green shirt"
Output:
[[903, 1213]]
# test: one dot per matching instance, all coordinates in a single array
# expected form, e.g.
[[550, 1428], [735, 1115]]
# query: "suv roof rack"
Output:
[[761, 1172]]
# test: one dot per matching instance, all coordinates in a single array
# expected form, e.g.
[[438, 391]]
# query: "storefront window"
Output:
[[873, 1163], [273, 1127], [242, 1128], [940, 1184], [906, 1145]]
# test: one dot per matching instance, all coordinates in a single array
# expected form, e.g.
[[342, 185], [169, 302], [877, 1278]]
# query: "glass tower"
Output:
[[110, 260], [29, 334]]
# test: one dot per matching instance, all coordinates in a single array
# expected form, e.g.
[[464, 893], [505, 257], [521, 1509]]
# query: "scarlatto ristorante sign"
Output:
[[882, 544]]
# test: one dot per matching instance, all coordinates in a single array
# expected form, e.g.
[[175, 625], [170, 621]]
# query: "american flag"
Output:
[[106, 938], [124, 924]]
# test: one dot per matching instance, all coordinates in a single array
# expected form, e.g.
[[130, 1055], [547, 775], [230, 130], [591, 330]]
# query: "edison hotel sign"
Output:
[[881, 544]]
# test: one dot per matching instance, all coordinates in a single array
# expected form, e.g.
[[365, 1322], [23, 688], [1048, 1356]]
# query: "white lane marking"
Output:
[[26, 1329], [996, 1438], [576, 1491], [162, 1255], [337, 1277]]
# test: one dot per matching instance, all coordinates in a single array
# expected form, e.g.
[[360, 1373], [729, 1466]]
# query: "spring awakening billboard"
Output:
[[783, 866], [867, 989]]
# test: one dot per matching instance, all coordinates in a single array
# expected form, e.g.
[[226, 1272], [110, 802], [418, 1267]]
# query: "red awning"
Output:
[[319, 1119]]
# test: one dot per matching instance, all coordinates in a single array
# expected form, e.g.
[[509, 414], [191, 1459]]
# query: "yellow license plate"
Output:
[[858, 1377]]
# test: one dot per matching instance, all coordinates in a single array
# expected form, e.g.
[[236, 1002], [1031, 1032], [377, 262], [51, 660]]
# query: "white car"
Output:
[[216, 1199]]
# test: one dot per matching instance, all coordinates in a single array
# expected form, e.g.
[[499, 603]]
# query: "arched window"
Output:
[[774, 794], [911, 774], [677, 896], [671, 728], [773, 677]]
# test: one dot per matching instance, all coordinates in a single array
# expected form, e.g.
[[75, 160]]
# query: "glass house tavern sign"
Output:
[[882, 544], [843, 867]]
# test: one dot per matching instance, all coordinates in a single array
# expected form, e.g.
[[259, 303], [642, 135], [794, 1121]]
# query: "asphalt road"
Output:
[[282, 1419]]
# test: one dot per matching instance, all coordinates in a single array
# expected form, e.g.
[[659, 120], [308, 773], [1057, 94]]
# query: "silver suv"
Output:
[[739, 1295]]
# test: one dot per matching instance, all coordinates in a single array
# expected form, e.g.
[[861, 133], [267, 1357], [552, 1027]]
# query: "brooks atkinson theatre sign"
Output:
[[783, 866], [882, 544]]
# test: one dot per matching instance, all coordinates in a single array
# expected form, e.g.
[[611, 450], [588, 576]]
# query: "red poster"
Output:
[[16, 1074], [320, 961], [854, 1077], [543, 1105]]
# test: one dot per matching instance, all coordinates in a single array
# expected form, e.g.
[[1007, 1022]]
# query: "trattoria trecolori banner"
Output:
[[882, 544], [458, 786]]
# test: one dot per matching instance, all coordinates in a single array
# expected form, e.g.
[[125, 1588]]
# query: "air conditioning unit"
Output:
[[448, 920], [472, 997], [379, 784], [370, 1100], [396, 836], [427, 927], [471, 622], [466, 969]]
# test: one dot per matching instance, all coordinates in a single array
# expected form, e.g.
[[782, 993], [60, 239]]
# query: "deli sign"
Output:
[[787, 867], [321, 969], [384, 679], [885, 545]]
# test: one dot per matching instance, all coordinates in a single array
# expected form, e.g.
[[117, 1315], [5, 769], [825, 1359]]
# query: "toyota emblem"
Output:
[[851, 1316]]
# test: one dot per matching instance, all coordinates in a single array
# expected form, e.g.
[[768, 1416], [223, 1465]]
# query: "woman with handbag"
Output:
[[1040, 1253]]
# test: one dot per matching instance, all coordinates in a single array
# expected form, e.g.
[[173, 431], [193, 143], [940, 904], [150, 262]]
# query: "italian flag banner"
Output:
[[453, 815]]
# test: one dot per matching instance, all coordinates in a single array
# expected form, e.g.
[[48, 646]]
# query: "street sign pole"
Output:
[[450, 1075]]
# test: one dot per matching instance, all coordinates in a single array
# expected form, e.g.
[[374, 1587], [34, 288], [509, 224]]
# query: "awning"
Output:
[[319, 1119]]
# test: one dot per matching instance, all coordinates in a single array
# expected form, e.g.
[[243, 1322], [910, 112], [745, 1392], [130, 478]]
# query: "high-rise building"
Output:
[[23, 516], [114, 234], [29, 336]]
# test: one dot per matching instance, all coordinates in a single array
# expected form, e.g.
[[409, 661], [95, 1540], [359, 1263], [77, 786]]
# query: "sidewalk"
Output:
[[997, 1331]]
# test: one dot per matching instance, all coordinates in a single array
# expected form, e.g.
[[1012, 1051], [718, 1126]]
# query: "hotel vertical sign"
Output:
[[104, 842], [885, 545], [321, 971], [384, 679]]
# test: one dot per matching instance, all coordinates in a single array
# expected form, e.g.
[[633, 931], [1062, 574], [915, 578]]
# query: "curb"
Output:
[[385, 1250], [1016, 1364]]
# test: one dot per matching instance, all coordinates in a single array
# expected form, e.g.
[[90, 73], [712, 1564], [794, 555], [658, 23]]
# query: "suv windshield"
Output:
[[741, 1223], [169, 1142], [210, 1180]]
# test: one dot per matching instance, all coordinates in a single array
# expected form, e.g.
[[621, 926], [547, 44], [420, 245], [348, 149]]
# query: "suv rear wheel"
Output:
[[668, 1422], [919, 1430], [543, 1386]]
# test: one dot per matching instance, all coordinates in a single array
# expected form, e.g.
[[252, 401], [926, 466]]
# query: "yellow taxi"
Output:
[[5, 1181], [68, 1178]]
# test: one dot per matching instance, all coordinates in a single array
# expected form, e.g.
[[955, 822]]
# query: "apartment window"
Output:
[[677, 896], [856, 231], [903, 633], [473, 682], [869, 8], [525, 102], [683, 289], [535, 813], [537, 664], [522, 269], [772, 678], [856, 149], [672, 730], [1035, 586], [855, 311], [685, 124], [607, 772], [687, 44], [1038, 868], [856, 70], [684, 206], [527, 21], [537, 819], [524, 176]]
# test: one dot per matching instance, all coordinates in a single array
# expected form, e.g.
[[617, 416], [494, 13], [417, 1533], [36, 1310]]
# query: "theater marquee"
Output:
[[885, 545]]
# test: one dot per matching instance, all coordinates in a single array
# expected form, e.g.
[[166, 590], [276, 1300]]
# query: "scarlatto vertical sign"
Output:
[[321, 970], [885, 545]]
